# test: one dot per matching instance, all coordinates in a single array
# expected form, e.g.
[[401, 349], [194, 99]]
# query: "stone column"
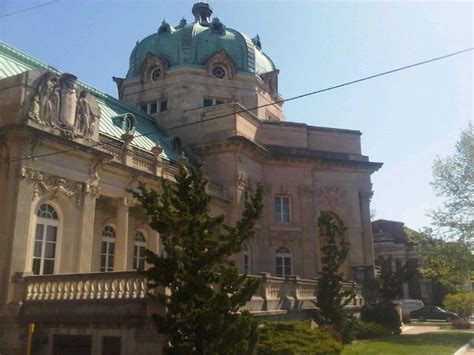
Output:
[[86, 243], [367, 244], [124, 242], [21, 232]]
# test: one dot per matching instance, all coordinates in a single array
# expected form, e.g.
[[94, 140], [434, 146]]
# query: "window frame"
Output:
[[278, 216], [108, 240], [47, 223], [286, 259], [139, 258], [215, 101], [146, 107]]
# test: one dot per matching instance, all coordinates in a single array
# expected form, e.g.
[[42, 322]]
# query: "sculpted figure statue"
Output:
[[85, 119], [34, 111], [67, 112], [49, 98]]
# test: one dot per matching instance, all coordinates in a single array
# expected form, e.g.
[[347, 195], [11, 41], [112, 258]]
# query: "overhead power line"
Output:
[[253, 108], [28, 9]]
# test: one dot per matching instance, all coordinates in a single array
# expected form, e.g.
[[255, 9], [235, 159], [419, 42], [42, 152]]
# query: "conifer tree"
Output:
[[331, 297], [205, 289]]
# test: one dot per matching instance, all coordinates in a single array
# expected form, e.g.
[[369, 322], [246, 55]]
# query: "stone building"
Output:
[[197, 93], [391, 240]]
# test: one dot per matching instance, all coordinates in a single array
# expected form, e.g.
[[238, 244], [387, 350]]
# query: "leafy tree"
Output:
[[331, 298], [453, 179], [461, 303], [391, 280], [451, 263], [205, 287]]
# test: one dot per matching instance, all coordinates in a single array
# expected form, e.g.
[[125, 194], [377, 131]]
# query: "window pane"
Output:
[[37, 252], [51, 233], [207, 102], [112, 248], [111, 262], [103, 249], [48, 267], [103, 259], [163, 106], [153, 107], [141, 264], [39, 232], [36, 266], [219, 102], [279, 271], [143, 108], [279, 261], [49, 251]]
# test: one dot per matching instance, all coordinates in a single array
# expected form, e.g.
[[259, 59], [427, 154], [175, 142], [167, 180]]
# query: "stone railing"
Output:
[[84, 287], [292, 293], [274, 293]]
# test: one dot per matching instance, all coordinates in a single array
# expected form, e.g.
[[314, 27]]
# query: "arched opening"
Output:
[[139, 251], [107, 250], [46, 238]]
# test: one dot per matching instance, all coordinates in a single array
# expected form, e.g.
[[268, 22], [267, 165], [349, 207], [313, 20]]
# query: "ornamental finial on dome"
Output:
[[202, 12], [256, 42], [165, 28]]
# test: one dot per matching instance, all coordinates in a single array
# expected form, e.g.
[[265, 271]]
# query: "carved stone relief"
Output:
[[333, 196], [221, 58], [58, 102], [305, 191], [53, 184]]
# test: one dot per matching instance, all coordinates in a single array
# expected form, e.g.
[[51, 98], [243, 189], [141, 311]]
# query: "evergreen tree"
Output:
[[205, 289], [391, 280], [331, 298]]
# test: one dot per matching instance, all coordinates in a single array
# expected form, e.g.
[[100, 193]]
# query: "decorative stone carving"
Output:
[[53, 184], [57, 102], [332, 195], [271, 82], [256, 42], [242, 180], [222, 59], [151, 63], [305, 191], [217, 27], [165, 28]]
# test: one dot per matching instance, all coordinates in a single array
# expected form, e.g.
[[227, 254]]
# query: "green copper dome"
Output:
[[192, 44]]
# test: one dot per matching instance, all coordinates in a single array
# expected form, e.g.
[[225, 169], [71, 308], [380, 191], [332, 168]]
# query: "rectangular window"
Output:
[[282, 209], [153, 107], [143, 108], [208, 103], [164, 106]]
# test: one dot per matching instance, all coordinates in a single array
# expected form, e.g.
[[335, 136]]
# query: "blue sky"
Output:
[[407, 119]]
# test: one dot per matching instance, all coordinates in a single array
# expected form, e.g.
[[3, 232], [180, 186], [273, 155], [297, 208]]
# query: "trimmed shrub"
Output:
[[461, 303], [382, 313], [461, 324], [369, 330], [288, 338]]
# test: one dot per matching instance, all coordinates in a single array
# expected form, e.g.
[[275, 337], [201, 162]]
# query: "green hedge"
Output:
[[369, 330], [382, 313], [288, 338]]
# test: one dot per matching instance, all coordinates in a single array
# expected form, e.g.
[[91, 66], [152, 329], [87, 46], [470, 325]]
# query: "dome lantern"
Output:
[[202, 12]]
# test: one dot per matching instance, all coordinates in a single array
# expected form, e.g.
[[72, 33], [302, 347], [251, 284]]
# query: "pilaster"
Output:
[[124, 243], [367, 244], [19, 253], [86, 243]]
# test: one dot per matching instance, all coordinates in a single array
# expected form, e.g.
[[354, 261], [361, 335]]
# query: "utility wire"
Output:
[[28, 8], [253, 108]]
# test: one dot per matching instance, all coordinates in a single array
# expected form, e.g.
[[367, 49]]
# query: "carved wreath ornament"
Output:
[[53, 184], [58, 102]]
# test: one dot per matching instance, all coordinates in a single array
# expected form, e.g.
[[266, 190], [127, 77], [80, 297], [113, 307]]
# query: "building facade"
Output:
[[391, 240], [197, 93]]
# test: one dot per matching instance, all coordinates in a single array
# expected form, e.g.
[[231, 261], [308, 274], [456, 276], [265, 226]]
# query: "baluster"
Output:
[[100, 289], [80, 286], [54, 290], [67, 287], [85, 290], [72, 290], [59, 295], [41, 291]]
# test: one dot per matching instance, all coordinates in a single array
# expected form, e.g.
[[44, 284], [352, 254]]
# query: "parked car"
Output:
[[432, 312], [409, 305]]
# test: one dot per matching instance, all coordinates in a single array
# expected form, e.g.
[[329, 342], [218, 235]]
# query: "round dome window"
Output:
[[156, 74], [218, 72]]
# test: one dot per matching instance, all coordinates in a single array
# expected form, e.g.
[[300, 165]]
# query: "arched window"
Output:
[[139, 251], [283, 262], [246, 260], [44, 254], [107, 251]]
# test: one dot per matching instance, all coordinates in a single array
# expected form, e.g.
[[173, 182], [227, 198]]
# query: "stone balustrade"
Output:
[[84, 287], [274, 293]]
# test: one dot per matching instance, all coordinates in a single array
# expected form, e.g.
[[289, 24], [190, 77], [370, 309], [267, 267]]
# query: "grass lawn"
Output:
[[426, 343]]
